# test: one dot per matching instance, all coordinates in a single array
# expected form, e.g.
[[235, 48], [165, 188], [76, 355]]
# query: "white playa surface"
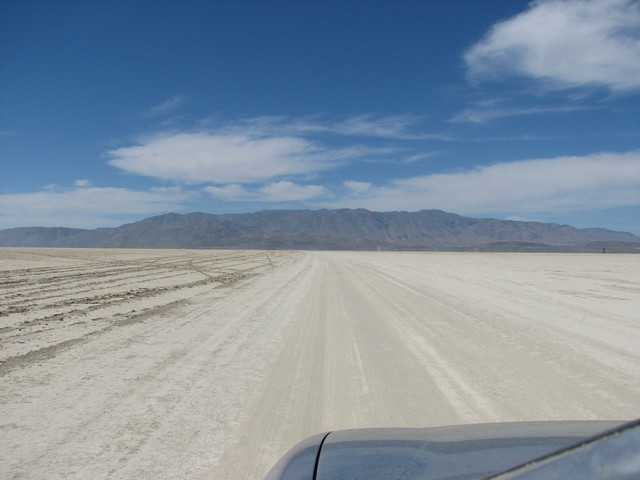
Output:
[[199, 364]]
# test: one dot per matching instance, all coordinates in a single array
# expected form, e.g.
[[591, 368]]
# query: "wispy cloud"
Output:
[[9, 133], [484, 113], [270, 148], [397, 127], [565, 43], [282, 191], [85, 206], [356, 187], [420, 156], [166, 107], [598, 181]]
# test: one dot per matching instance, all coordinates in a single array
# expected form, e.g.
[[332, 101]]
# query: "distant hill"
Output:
[[348, 229]]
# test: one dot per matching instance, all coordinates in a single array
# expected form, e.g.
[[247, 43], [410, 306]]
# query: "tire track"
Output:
[[35, 325]]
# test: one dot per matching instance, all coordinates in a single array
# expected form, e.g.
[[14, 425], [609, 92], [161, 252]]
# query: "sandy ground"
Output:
[[210, 364]]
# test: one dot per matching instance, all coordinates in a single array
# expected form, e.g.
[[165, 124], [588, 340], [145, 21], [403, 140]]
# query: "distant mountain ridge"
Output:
[[352, 229]]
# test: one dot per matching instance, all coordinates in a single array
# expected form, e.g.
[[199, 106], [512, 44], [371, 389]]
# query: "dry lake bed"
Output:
[[210, 364]]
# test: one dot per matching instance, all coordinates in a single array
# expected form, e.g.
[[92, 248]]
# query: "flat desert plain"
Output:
[[204, 364]]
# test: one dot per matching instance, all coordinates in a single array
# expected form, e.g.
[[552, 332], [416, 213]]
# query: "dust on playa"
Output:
[[205, 364]]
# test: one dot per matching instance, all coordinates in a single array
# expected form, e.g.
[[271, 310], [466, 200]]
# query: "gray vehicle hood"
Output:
[[454, 453]]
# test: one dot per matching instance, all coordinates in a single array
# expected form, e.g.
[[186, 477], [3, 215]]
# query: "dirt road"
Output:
[[207, 364]]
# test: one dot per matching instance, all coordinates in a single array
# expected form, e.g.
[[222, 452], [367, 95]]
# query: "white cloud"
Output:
[[566, 43], [233, 158], [399, 127], [284, 191], [272, 192], [421, 156], [392, 126], [262, 149], [482, 114], [83, 183], [211, 158], [592, 182], [85, 206], [357, 187], [167, 106], [230, 192]]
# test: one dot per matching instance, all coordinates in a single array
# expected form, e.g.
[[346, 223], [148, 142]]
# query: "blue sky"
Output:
[[115, 111]]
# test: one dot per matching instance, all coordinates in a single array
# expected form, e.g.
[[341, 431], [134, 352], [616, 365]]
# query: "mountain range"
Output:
[[350, 229]]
